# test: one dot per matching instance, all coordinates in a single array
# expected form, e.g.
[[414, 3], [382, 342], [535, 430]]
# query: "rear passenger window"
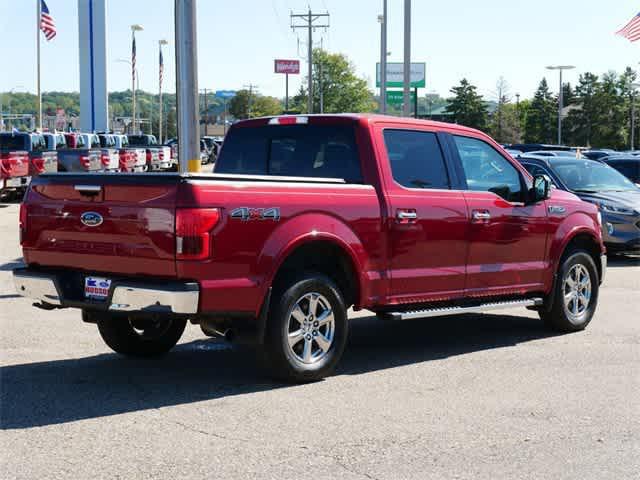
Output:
[[536, 170], [292, 151], [416, 159]]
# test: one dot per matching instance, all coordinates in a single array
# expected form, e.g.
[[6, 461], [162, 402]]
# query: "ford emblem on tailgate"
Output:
[[91, 219]]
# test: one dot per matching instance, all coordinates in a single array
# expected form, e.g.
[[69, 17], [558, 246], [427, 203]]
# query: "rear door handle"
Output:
[[481, 215]]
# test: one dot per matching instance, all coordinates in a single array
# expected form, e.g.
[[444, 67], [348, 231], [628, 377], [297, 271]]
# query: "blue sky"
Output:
[[238, 40]]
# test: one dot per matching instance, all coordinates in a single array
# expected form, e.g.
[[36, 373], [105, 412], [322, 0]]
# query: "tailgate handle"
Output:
[[89, 190]]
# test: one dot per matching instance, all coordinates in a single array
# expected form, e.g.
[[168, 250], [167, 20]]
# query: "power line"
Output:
[[310, 21]]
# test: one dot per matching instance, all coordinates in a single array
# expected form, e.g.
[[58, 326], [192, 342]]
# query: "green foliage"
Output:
[[342, 90], [248, 104], [540, 125], [467, 107]]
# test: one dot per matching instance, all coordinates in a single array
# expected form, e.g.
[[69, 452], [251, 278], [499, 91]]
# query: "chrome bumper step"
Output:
[[485, 307]]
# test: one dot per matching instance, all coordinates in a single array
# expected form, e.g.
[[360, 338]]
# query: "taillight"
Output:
[[105, 159], [23, 222], [193, 228], [161, 155], [84, 161], [148, 157]]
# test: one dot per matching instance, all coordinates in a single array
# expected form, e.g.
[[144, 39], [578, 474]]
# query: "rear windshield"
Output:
[[38, 143], [293, 151], [61, 142], [142, 140], [107, 141], [10, 142]]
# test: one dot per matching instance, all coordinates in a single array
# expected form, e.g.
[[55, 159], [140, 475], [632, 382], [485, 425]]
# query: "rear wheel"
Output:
[[307, 329], [140, 337], [576, 294]]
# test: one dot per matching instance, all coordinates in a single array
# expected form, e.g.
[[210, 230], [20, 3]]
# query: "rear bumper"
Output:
[[51, 291], [14, 183]]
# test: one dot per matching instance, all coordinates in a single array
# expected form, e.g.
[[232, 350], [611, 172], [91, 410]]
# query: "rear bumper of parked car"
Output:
[[57, 290]]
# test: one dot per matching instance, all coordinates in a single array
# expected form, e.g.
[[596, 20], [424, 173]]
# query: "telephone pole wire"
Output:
[[311, 21]]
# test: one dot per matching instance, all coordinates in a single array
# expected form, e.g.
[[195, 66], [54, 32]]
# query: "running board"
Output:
[[486, 307]]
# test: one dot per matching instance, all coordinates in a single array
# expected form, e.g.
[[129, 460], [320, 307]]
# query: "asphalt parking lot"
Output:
[[469, 397]]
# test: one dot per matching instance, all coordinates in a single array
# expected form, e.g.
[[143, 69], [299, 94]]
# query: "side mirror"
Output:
[[541, 188]]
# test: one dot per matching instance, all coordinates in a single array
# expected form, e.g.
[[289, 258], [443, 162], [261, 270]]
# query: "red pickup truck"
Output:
[[304, 217]]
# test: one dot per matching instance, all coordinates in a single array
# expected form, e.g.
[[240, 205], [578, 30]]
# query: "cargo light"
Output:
[[193, 229], [292, 120]]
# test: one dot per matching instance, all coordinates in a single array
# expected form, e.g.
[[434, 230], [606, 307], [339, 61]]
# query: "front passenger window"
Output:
[[488, 171]]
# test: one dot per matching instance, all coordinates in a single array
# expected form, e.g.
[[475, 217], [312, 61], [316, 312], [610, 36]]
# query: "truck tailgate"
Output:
[[116, 223]]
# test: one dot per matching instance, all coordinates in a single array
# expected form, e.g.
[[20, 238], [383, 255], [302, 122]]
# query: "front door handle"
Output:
[[481, 215], [406, 216]]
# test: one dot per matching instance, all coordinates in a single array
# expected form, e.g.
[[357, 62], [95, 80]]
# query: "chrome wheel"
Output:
[[310, 328], [576, 289]]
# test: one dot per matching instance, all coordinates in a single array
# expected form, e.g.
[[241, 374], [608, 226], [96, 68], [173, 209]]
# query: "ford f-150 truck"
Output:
[[81, 155], [158, 156], [14, 172], [303, 217], [41, 159], [132, 159]]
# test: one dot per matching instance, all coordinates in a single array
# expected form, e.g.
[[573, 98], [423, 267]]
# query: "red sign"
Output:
[[287, 66]]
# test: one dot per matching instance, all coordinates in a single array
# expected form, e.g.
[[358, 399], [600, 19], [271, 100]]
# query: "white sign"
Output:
[[395, 74]]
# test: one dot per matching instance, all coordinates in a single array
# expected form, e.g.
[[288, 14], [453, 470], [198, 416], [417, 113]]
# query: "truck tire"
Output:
[[140, 337], [306, 331], [576, 294]]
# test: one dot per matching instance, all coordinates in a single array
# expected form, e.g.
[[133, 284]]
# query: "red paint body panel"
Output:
[[443, 255]]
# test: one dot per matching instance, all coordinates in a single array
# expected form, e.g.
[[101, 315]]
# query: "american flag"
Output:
[[161, 67], [631, 31], [47, 25], [133, 59]]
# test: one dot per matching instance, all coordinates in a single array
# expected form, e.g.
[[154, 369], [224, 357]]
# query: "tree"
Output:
[[581, 120], [342, 90], [540, 124], [467, 107], [248, 104], [498, 120]]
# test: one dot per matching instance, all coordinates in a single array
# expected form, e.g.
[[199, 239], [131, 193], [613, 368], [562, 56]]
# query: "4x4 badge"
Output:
[[246, 214]]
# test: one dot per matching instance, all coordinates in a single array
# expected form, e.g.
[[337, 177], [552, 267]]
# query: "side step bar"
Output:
[[438, 312]]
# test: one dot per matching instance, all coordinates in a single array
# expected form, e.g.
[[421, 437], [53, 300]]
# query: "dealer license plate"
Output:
[[96, 288]]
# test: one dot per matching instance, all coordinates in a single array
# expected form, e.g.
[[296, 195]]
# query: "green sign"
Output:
[[396, 97], [395, 75]]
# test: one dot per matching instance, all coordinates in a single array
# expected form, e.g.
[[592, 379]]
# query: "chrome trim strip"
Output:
[[438, 312], [603, 267], [138, 299], [38, 287], [87, 188]]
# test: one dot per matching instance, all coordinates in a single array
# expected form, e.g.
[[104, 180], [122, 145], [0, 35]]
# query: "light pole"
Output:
[[383, 58], [161, 43], [407, 59], [137, 83], [633, 114], [560, 68], [134, 28]]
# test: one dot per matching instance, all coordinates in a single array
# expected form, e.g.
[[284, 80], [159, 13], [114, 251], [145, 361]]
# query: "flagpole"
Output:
[[38, 20]]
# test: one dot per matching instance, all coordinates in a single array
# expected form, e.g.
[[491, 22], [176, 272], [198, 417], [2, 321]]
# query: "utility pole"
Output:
[[406, 111], [187, 85], [250, 87], [206, 109], [560, 68], [310, 24], [383, 58]]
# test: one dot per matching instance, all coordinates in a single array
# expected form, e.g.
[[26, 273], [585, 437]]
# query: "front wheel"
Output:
[[576, 294], [306, 330], [144, 337]]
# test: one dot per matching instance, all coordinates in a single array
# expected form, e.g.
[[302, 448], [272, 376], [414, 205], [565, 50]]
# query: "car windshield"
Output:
[[590, 176]]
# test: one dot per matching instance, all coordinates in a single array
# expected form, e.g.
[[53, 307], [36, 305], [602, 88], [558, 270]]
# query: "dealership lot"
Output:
[[476, 396]]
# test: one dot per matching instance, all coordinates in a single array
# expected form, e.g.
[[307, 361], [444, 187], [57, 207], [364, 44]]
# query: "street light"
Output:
[[137, 81], [383, 57], [134, 28], [161, 43], [633, 114], [560, 68]]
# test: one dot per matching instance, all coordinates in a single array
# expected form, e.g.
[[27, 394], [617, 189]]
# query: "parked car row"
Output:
[[24, 155]]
